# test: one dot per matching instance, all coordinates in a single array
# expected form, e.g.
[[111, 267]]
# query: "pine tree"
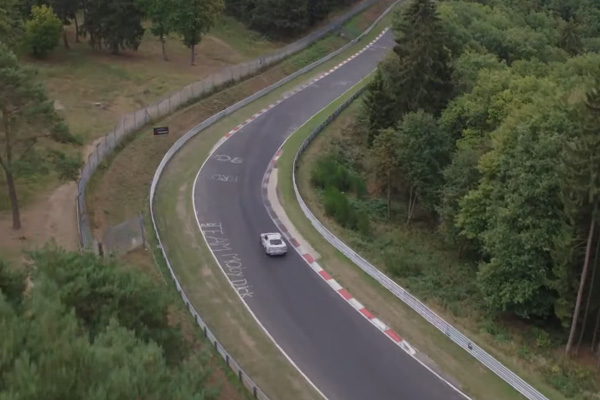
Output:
[[424, 78], [377, 107], [28, 121]]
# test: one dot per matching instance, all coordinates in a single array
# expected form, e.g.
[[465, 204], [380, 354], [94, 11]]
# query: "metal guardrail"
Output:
[[243, 377], [451, 332], [134, 121]]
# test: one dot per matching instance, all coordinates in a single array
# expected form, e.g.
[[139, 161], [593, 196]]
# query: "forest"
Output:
[[75, 326], [483, 127], [283, 18]]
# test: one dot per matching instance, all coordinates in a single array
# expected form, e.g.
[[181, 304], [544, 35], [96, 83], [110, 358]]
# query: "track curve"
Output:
[[340, 352]]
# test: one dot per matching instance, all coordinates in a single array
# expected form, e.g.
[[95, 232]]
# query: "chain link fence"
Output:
[[134, 121], [445, 327], [122, 238], [242, 376]]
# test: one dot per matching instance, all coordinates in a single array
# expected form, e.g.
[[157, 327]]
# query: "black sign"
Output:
[[161, 130]]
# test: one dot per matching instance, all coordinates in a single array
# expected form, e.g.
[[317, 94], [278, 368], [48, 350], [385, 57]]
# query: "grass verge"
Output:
[[207, 288], [435, 348]]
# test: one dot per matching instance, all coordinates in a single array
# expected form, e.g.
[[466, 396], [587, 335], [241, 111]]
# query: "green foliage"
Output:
[[162, 14], [100, 291], [423, 151], [422, 75], [48, 352], [11, 24], [516, 212], [509, 159], [282, 18], [336, 180], [116, 24], [29, 122], [285, 18], [570, 38], [386, 162], [378, 110], [68, 167], [337, 206], [194, 18], [329, 172], [42, 31], [505, 31], [12, 283]]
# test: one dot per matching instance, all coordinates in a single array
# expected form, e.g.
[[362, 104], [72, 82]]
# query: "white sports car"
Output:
[[273, 244]]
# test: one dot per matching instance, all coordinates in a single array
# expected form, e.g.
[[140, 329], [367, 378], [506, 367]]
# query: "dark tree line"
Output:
[[282, 18], [117, 24]]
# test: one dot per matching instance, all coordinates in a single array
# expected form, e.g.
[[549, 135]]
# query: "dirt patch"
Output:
[[51, 217]]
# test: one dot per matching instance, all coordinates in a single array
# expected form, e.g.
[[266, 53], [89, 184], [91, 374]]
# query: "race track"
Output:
[[340, 352]]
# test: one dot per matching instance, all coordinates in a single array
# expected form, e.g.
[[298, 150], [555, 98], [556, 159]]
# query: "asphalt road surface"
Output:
[[343, 354]]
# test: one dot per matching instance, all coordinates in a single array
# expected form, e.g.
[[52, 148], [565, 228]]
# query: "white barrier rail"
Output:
[[242, 376], [451, 332]]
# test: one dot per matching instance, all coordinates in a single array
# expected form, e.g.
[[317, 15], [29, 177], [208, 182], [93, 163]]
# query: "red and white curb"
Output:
[[297, 89], [310, 260]]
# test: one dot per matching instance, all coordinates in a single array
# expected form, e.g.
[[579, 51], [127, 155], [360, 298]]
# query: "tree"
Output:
[[424, 78], [570, 38], [280, 18], [193, 19], [11, 24], [12, 283], [46, 351], [423, 151], [240, 9], [116, 24], [66, 10], [581, 162], [386, 162], [82, 277], [377, 112], [42, 31], [28, 122], [516, 212], [161, 12], [460, 176]]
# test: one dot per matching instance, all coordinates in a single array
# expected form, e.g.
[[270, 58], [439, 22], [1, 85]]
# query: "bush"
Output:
[[42, 31], [67, 167], [339, 208], [328, 171], [401, 262]]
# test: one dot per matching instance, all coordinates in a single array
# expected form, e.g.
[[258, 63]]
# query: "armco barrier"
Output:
[[457, 337], [244, 378], [139, 118]]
